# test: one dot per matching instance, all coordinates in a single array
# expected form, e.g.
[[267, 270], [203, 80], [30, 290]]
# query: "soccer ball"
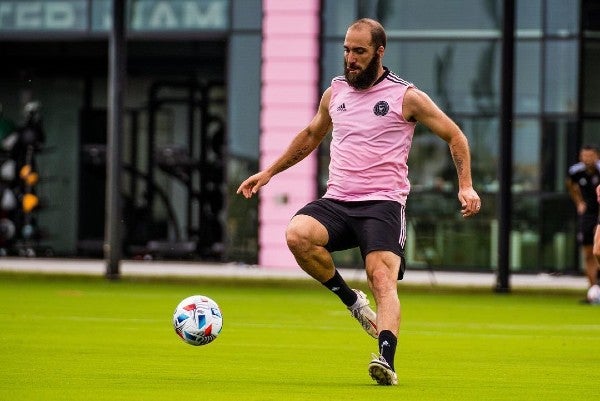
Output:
[[593, 294], [197, 320]]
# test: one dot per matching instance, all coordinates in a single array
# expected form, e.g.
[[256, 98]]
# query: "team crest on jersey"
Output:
[[381, 108]]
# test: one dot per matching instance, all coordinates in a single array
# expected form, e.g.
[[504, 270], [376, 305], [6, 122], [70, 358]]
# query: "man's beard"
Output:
[[365, 78]]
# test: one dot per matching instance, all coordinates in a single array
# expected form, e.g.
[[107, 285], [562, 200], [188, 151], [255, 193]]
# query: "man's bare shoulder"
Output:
[[415, 95], [414, 103], [326, 98]]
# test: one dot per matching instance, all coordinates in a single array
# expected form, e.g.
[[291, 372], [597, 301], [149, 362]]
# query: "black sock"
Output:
[[387, 346], [338, 286]]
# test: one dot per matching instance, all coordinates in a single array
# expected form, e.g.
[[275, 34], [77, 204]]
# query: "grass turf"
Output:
[[85, 338]]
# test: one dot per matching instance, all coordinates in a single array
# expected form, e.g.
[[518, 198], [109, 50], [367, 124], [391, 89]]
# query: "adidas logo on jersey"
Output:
[[341, 107]]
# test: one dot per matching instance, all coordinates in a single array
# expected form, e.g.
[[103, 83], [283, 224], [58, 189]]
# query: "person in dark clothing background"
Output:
[[583, 178]]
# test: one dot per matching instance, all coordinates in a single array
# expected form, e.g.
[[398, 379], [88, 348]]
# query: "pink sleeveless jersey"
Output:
[[370, 141]]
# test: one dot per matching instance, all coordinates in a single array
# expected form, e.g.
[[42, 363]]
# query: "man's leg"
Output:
[[306, 238], [382, 275]]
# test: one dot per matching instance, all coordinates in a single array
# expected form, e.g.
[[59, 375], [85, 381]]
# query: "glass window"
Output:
[[560, 84], [558, 136], [483, 134], [526, 155], [433, 14], [337, 16], [430, 163], [562, 17], [461, 76], [527, 77], [524, 236], [591, 66], [525, 232], [332, 60], [438, 237], [416, 17], [436, 232], [591, 15], [528, 16], [557, 243], [432, 167], [591, 131]]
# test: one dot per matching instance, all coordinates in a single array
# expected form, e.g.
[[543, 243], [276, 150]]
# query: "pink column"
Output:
[[289, 97]]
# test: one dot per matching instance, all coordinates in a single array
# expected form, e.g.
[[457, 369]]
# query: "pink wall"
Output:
[[289, 97]]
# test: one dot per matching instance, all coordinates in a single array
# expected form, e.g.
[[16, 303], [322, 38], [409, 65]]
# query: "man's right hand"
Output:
[[251, 185]]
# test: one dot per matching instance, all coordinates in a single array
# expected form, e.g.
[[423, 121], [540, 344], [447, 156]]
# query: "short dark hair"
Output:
[[378, 37], [590, 147]]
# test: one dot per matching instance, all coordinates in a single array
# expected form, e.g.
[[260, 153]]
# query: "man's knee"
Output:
[[294, 238], [303, 232], [382, 268]]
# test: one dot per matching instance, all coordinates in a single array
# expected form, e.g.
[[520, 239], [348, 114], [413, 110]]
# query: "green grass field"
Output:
[[85, 338]]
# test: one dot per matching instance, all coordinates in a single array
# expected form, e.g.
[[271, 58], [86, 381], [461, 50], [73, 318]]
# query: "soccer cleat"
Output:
[[381, 372], [364, 314]]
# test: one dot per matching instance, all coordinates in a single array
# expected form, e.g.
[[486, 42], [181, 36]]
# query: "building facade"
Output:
[[217, 88]]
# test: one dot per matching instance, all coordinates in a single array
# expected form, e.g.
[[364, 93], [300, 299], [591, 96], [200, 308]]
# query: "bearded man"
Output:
[[372, 114]]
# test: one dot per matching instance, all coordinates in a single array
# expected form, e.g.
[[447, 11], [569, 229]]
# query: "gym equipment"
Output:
[[19, 202], [173, 193], [29, 176], [29, 202], [7, 229], [197, 165], [7, 170]]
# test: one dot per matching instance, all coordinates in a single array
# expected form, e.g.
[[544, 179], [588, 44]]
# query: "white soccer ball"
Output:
[[593, 294], [197, 320]]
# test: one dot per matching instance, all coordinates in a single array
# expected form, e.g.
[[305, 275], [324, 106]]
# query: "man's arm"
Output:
[[419, 107], [301, 146], [576, 196]]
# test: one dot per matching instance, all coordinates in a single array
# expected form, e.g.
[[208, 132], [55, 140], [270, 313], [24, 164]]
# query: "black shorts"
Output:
[[369, 225], [586, 227]]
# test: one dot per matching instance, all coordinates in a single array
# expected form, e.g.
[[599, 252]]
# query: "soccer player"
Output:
[[582, 181], [372, 113]]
